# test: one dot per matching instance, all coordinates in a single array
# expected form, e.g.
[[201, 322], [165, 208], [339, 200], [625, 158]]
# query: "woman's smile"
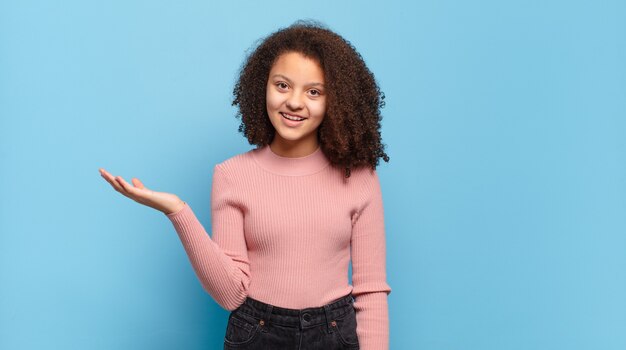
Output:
[[292, 121], [292, 116]]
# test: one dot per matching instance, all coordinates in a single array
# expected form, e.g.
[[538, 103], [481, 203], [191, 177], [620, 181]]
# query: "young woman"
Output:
[[290, 215]]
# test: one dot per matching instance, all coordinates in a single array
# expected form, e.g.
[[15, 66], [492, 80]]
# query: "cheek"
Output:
[[319, 109], [268, 98], [272, 100]]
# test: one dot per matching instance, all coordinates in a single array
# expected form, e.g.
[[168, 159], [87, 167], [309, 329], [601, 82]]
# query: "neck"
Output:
[[290, 166], [293, 149]]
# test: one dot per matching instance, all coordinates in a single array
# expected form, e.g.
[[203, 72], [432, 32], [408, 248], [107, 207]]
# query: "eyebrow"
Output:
[[289, 80]]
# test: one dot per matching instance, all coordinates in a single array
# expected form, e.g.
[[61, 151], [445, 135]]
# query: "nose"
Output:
[[294, 101]]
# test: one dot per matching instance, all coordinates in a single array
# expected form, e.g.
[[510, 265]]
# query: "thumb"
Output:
[[138, 183]]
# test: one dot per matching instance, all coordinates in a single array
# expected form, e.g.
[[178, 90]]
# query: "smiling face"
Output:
[[295, 90]]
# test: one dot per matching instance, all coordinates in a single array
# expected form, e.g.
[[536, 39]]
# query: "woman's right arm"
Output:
[[223, 270]]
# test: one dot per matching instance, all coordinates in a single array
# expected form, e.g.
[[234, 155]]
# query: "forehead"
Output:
[[296, 66]]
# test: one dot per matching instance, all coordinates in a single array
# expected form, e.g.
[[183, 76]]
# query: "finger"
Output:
[[103, 172], [107, 177], [128, 187], [106, 174], [138, 183], [111, 180]]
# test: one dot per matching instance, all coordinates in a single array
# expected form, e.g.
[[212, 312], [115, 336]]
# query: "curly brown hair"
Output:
[[349, 134]]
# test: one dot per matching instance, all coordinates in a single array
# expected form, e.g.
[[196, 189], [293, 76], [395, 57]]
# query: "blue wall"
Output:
[[505, 197]]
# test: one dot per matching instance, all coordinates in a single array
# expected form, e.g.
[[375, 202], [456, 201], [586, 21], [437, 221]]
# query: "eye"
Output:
[[316, 92], [282, 85]]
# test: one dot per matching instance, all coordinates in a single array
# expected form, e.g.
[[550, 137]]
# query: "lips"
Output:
[[292, 115]]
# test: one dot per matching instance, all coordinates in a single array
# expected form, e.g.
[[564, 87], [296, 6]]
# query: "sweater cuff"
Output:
[[372, 320], [172, 215]]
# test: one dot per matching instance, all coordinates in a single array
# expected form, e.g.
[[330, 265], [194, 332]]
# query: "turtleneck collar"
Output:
[[290, 166]]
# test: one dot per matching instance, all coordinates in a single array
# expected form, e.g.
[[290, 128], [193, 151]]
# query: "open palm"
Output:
[[164, 202]]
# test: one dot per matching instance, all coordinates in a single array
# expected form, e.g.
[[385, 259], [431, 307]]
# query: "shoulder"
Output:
[[365, 176], [237, 164], [363, 182]]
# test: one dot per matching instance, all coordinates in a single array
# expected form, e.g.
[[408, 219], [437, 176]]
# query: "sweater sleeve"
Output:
[[370, 288], [221, 263]]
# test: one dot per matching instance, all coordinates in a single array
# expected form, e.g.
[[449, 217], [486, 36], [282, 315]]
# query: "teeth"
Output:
[[291, 118]]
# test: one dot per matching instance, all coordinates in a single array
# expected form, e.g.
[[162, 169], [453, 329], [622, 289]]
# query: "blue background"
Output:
[[505, 196]]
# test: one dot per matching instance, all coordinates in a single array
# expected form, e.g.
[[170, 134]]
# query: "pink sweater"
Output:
[[284, 230]]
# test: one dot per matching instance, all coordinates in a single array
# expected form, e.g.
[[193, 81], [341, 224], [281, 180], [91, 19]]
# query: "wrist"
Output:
[[176, 209]]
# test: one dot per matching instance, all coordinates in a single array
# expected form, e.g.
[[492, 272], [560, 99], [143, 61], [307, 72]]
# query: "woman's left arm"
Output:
[[370, 287]]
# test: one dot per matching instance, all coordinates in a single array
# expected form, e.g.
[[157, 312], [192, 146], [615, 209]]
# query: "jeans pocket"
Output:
[[346, 329], [241, 329]]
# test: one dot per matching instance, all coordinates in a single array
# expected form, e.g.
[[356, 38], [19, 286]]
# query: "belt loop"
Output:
[[328, 318], [268, 314]]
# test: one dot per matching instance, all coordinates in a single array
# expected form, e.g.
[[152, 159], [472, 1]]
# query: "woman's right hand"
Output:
[[166, 203]]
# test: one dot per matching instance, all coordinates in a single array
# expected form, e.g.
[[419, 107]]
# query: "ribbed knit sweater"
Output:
[[283, 232]]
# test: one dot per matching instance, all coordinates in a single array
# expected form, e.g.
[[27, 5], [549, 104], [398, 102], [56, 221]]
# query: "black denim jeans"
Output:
[[257, 325]]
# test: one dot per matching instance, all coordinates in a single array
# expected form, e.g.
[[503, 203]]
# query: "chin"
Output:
[[291, 137]]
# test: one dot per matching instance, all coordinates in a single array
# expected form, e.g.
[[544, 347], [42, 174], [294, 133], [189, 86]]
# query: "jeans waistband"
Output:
[[304, 318]]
